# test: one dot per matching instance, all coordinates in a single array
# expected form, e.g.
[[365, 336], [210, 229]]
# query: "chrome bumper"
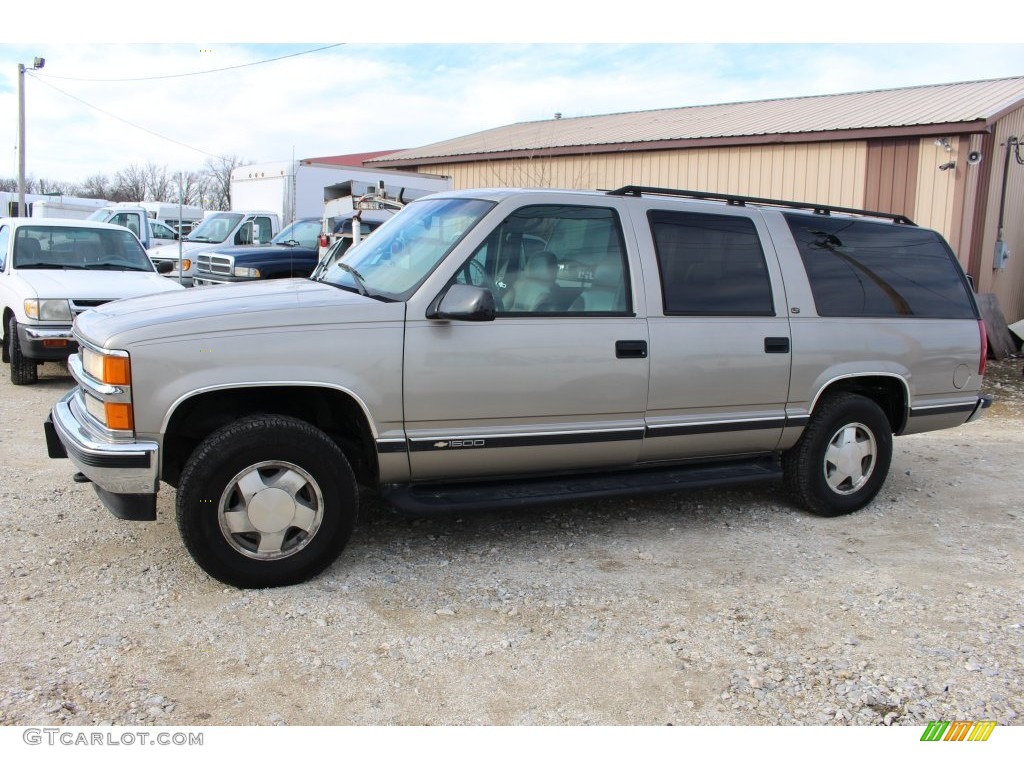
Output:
[[37, 333], [115, 467]]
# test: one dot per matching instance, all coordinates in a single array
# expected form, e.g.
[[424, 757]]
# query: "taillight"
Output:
[[984, 348], [323, 241]]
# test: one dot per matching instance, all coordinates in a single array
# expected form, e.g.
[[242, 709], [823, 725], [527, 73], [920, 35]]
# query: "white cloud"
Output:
[[357, 98]]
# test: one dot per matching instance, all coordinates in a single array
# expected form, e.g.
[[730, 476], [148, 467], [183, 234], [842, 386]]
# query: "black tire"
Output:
[[23, 369], [842, 459], [234, 495]]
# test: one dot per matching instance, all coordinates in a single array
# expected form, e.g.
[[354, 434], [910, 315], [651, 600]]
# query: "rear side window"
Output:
[[710, 264], [869, 269]]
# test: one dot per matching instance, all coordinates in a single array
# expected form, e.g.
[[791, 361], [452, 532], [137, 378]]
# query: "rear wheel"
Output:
[[266, 501], [842, 458], [23, 370]]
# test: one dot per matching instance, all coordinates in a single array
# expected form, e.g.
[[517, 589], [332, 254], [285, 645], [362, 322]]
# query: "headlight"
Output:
[[107, 368], [246, 272], [48, 309], [186, 265]]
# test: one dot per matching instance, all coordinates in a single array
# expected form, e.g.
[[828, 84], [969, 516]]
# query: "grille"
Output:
[[78, 306], [215, 264]]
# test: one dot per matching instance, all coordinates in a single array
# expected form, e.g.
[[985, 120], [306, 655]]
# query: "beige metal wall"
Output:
[[821, 172], [903, 177], [934, 191], [1007, 284]]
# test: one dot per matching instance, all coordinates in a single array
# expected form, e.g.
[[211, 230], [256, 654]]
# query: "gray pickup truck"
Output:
[[509, 347]]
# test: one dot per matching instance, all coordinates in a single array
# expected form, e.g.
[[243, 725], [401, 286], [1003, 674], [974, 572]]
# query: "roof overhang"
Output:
[[982, 126]]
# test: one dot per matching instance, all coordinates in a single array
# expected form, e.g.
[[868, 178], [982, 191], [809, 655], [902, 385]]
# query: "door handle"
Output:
[[636, 348], [776, 345]]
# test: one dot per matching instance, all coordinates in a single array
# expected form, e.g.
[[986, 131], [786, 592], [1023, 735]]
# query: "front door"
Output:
[[558, 381]]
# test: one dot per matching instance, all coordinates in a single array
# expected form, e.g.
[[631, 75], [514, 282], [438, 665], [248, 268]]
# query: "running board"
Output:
[[438, 498]]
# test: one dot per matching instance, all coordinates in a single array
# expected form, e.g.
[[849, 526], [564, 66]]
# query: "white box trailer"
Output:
[[296, 190], [52, 206], [180, 217], [65, 207]]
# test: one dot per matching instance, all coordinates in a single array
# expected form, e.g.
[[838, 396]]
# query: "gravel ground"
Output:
[[705, 608]]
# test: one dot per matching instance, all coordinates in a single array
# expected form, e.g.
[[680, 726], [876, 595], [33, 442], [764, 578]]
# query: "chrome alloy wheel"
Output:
[[850, 458], [270, 510]]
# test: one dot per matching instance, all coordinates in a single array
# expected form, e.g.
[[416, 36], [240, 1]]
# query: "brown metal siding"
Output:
[[976, 263], [1007, 284], [822, 173], [891, 181]]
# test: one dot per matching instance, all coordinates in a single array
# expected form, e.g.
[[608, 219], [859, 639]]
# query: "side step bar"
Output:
[[436, 498]]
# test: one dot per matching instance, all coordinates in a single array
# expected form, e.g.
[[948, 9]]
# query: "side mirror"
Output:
[[463, 302], [165, 267]]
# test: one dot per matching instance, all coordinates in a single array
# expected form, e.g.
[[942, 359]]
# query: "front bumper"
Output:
[[124, 474], [46, 342]]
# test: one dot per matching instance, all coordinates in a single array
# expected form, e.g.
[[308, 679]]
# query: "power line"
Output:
[[189, 74], [128, 122]]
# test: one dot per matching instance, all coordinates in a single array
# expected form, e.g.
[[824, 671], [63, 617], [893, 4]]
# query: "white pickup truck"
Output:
[[221, 228], [151, 232]]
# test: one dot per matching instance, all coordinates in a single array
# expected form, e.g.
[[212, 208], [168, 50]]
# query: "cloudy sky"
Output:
[[373, 78]]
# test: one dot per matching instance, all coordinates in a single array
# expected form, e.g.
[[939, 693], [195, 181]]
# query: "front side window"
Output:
[[407, 248], [554, 260], [710, 264], [5, 240], [871, 269], [128, 220], [305, 233], [162, 231], [48, 247]]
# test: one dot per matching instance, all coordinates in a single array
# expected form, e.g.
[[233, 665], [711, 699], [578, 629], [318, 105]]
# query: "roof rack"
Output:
[[740, 200]]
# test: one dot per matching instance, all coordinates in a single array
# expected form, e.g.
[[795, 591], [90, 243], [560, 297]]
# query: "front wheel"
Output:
[[842, 459], [266, 502], [23, 369]]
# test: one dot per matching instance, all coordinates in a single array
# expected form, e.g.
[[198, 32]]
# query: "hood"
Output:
[[271, 305], [267, 249], [94, 284], [170, 251]]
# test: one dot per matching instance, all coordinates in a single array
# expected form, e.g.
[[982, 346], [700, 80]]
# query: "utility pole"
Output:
[[37, 63]]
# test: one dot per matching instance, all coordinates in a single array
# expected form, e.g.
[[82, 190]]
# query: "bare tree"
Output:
[[8, 185], [160, 185], [49, 187], [193, 188], [130, 183], [98, 186], [218, 174]]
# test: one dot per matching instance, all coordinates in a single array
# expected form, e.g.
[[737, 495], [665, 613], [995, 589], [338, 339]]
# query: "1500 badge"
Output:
[[460, 443]]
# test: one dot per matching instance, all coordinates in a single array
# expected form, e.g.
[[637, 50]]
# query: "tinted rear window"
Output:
[[869, 269], [710, 264]]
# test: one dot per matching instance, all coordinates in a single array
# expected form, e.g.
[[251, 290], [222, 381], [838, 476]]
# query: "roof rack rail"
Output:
[[826, 210]]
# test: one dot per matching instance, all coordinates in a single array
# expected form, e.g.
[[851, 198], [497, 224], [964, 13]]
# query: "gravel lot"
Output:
[[712, 608]]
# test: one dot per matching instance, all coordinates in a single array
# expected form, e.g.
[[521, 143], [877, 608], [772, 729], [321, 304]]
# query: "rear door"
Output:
[[721, 348], [558, 381]]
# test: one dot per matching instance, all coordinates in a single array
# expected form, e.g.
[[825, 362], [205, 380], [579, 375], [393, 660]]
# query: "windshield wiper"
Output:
[[121, 267], [356, 276]]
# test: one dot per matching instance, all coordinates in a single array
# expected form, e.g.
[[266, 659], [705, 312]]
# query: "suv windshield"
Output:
[[215, 228], [70, 247], [407, 248]]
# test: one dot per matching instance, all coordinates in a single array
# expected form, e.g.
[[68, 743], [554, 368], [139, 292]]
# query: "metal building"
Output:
[[947, 156]]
